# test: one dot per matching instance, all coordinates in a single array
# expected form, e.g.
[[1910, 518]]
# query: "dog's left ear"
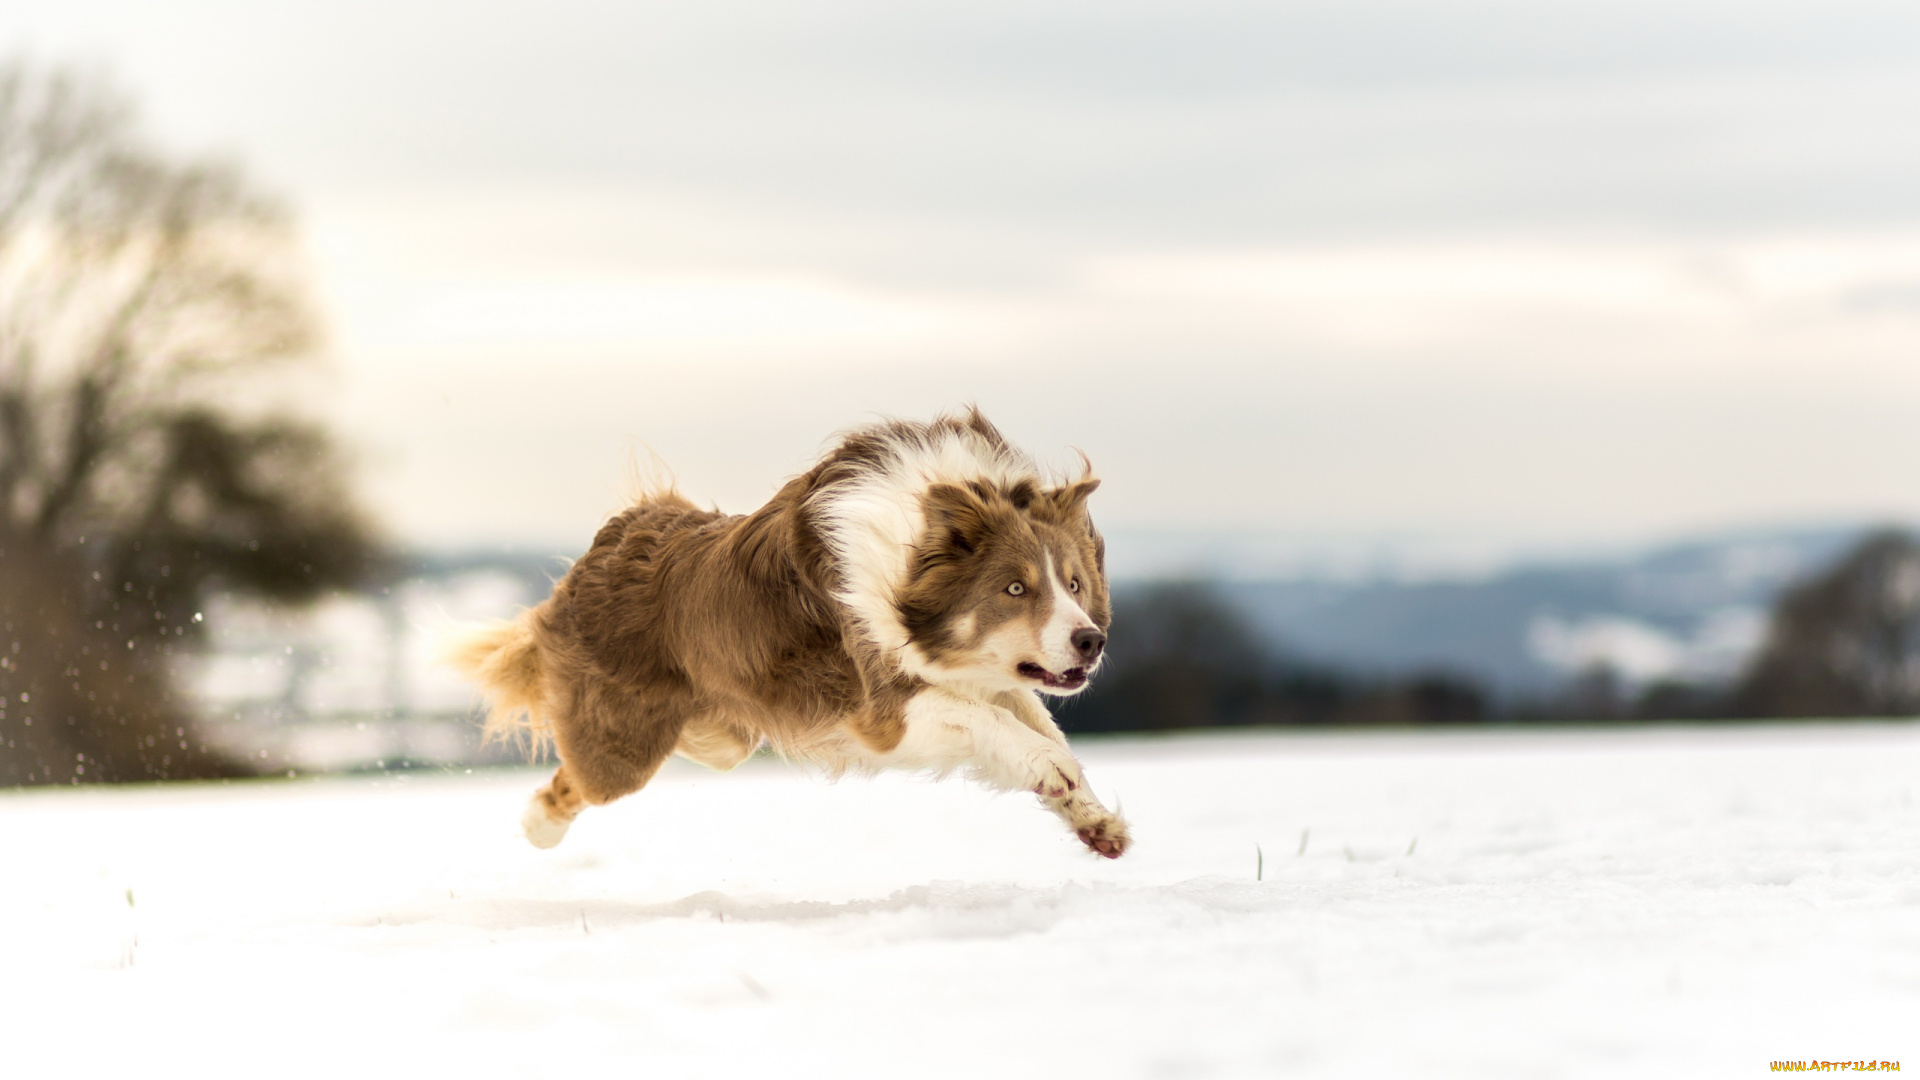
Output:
[[1070, 500]]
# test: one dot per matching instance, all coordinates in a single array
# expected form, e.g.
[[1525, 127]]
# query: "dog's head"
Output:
[[1007, 587]]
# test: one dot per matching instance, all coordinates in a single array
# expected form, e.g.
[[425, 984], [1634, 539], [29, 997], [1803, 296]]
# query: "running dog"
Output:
[[903, 604]]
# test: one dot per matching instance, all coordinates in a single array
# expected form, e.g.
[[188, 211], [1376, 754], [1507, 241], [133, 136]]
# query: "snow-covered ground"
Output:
[[1590, 903]]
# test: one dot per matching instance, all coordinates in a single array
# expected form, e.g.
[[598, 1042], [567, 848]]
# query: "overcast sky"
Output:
[[1447, 276]]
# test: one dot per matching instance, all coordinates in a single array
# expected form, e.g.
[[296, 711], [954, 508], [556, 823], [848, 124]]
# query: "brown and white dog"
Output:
[[902, 604]]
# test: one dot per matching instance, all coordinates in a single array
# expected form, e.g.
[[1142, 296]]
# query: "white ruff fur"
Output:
[[873, 520]]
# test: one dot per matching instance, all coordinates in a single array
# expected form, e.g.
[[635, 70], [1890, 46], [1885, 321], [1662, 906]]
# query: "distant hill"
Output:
[[1692, 610]]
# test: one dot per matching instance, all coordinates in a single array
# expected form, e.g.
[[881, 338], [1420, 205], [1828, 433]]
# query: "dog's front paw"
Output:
[[1106, 836]]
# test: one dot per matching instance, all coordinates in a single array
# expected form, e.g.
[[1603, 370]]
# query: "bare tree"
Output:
[[1846, 643], [146, 306]]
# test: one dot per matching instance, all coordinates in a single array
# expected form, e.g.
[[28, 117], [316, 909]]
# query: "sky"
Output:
[[1430, 280]]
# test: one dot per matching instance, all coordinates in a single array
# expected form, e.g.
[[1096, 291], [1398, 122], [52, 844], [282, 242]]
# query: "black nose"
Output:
[[1088, 642]]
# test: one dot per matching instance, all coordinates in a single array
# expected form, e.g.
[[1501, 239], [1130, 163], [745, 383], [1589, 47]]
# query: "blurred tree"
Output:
[[1423, 698], [1846, 643], [1678, 699], [1598, 692], [144, 306], [1179, 657], [1182, 656]]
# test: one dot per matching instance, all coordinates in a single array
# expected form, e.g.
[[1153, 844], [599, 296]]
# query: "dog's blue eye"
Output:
[[1016, 589], [1074, 585]]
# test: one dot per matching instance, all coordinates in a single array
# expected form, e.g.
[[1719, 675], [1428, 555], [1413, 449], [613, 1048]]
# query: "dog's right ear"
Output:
[[956, 515]]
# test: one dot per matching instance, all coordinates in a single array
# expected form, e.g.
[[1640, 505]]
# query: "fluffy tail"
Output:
[[504, 659]]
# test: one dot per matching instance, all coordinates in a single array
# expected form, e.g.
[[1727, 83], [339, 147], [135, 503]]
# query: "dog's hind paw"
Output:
[[539, 825], [1105, 836]]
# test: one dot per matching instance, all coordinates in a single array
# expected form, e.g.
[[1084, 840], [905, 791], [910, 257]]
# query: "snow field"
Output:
[[1662, 902]]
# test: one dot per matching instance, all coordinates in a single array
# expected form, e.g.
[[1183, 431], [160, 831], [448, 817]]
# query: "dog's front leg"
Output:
[[1027, 707], [1097, 827], [946, 731]]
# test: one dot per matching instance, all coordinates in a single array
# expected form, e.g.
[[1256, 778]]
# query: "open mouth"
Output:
[[1070, 679]]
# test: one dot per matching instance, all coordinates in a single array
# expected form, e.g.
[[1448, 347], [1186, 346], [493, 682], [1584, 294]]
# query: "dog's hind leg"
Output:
[[711, 741], [552, 809], [610, 747]]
